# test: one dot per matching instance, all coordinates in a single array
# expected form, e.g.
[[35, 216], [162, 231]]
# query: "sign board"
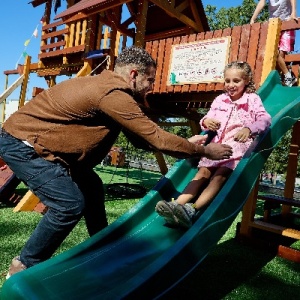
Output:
[[199, 61]]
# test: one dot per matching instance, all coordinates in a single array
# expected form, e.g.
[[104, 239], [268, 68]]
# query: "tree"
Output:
[[233, 16], [277, 161]]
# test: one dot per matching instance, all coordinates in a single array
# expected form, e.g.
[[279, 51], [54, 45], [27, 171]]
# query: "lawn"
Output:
[[231, 270]]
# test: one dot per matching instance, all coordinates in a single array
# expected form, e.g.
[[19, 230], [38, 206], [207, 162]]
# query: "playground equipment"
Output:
[[82, 36], [149, 249], [8, 180], [134, 257]]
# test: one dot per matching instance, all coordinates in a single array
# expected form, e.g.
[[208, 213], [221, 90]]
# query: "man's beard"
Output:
[[139, 97]]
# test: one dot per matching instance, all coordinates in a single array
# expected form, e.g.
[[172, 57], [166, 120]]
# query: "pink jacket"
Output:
[[252, 113]]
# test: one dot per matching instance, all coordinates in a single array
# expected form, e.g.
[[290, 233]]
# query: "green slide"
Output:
[[137, 256]]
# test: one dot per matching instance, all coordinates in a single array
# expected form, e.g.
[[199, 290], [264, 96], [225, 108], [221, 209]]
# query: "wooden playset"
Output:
[[91, 33]]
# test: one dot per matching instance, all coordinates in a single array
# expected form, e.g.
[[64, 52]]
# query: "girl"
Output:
[[235, 117]]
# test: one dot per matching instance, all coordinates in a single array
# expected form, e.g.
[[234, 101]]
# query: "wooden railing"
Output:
[[256, 44], [293, 58], [247, 44], [59, 39]]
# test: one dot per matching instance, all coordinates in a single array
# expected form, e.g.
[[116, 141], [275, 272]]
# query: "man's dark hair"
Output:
[[135, 56]]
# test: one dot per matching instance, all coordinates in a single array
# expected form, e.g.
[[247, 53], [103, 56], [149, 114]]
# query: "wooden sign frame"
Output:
[[199, 62]]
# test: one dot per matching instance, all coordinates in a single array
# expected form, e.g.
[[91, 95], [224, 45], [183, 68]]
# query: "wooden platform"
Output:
[[8, 184]]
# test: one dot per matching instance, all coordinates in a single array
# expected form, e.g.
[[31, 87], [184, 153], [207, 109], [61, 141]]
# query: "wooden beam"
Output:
[[161, 163], [141, 23], [10, 89], [27, 203], [249, 212], [54, 45], [86, 69], [292, 167], [25, 81], [284, 231], [63, 51], [166, 34], [196, 15], [182, 6], [271, 50], [36, 3], [112, 21], [55, 33], [289, 253], [97, 9], [292, 58], [174, 12], [51, 25]]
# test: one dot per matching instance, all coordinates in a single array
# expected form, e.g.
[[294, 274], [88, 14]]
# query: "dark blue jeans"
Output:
[[68, 196]]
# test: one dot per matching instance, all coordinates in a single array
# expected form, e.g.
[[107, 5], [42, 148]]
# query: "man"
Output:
[[54, 141]]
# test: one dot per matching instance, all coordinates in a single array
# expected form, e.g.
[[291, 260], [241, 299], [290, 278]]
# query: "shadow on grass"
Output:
[[227, 266]]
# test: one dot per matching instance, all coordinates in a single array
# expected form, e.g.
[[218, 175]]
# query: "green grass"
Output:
[[232, 270]]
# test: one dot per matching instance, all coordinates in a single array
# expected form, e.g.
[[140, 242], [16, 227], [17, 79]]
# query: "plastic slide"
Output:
[[137, 256]]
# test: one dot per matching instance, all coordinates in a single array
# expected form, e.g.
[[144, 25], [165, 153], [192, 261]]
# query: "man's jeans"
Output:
[[67, 198]]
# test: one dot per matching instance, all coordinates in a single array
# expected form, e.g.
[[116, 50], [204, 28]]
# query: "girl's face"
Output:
[[235, 84]]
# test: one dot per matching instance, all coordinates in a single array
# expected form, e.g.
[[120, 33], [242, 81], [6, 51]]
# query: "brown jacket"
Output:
[[78, 120]]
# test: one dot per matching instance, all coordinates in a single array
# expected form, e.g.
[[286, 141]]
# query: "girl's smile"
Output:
[[235, 84]]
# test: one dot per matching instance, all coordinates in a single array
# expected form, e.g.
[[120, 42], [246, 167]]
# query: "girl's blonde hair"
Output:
[[247, 74]]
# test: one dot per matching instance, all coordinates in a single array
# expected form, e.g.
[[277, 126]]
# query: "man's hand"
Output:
[[198, 139], [217, 151]]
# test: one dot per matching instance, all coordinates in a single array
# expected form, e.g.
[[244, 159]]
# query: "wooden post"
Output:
[[292, 167], [3, 103], [161, 163], [249, 212], [45, 21], [86, 69], [26, 72], [27, 203], [141, 23], [271, 50]]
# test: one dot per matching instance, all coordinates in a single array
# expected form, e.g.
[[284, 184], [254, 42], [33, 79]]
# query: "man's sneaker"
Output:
[[289, 80], [165, 209], [185, 214], [15, 267]]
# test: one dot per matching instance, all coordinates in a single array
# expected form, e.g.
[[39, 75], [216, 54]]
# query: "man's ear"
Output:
[[133, 74]]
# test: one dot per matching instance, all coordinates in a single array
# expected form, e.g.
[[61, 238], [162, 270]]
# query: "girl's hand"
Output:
[[243, 135], [212, 124], [293, 16], [198, 139]]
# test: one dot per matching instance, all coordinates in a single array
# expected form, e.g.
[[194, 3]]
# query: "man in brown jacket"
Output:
[[54, 141]]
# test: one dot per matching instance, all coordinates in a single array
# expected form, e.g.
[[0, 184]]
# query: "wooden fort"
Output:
[[91, 33]]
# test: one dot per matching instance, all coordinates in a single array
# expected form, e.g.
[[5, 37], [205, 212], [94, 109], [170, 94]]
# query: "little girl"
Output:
[[236, 117]]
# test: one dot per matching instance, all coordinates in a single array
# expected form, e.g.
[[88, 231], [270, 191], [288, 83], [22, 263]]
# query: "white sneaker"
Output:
[[289, 79], [165, 209], [185, 214]]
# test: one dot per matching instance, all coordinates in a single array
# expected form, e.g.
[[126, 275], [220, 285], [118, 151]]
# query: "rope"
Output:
[[107, 58]]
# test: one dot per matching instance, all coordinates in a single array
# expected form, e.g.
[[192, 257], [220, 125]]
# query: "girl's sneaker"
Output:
[[165, 209], [185, 214]]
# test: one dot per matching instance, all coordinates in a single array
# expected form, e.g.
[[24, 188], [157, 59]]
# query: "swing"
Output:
[[125, 190]]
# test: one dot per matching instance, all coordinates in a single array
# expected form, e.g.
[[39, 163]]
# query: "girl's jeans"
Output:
[[68, 198]]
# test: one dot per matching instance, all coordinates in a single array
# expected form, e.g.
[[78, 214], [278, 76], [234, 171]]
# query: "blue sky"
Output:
[[18, 22]]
